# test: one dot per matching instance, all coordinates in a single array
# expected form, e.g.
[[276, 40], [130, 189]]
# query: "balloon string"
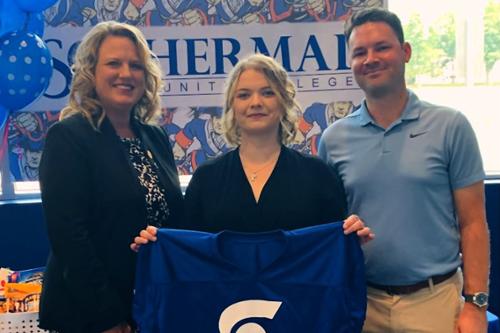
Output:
[[3, 147], [26, 21]]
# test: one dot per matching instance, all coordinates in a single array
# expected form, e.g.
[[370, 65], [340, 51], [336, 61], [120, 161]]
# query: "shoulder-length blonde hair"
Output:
[[83, 97], [281, 85]]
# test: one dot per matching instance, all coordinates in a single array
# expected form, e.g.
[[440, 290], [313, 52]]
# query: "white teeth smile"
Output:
[[124, 86]]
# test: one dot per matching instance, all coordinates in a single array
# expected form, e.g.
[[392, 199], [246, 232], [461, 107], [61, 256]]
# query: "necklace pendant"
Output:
[[253, 177]]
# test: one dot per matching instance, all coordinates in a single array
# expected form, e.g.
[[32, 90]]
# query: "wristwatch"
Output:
[[479, 299]]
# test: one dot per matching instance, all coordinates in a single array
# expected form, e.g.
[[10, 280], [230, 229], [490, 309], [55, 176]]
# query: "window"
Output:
[[456, 62]]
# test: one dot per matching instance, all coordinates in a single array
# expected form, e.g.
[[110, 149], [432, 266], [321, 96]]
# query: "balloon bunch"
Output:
[[25, 60]]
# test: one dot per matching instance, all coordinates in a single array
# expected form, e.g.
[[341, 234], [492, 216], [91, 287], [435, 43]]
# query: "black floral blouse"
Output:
[[157, 210]]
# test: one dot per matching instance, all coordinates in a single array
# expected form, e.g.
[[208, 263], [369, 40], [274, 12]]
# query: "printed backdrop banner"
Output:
[[198, 42], [196, 60]]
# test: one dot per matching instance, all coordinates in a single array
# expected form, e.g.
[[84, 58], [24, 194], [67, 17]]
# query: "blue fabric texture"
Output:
[[306, 280]]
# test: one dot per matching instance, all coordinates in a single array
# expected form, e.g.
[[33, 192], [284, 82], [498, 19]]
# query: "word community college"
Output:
[[214, 85]]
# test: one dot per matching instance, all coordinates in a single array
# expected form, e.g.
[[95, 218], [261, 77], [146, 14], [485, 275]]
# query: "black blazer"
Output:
[[94, 206]]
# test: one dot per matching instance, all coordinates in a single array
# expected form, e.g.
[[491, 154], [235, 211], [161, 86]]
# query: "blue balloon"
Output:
[[11, 17], [25, 69], [35, 5], [35, 23]]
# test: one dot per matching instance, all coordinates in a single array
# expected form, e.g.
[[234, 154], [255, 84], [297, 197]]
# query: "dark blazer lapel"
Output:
[[114, 151], [157, 145], [113, 142]]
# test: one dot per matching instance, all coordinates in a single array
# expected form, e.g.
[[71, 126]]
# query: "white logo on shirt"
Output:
[[254, 308]]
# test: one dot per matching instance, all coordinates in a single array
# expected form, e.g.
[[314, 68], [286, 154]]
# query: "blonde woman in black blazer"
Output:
[[106, 173]]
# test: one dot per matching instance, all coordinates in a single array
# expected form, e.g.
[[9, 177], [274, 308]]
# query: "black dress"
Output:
[[301, 191]]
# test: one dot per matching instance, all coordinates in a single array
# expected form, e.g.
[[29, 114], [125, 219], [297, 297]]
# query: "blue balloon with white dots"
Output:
[[25, 69]]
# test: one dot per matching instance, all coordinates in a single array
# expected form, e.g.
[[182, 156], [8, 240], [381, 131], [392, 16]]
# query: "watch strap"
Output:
[[480, 299]]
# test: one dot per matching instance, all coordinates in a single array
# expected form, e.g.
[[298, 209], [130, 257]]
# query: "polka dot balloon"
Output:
[[25, 69]]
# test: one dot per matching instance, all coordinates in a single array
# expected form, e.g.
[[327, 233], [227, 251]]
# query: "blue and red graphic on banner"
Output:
[[197, 43]]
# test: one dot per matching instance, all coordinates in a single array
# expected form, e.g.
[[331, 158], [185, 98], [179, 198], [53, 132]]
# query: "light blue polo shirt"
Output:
[[400, 181]]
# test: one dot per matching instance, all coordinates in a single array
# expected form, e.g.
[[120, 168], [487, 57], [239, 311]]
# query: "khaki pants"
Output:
[[434, 309]]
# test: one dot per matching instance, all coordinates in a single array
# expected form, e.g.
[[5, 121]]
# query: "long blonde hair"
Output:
[[281, 85], [83, 98]]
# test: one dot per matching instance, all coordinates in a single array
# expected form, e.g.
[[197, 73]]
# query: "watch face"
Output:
[[481, 299]]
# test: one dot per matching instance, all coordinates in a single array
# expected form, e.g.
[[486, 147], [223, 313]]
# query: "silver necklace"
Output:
[[253, 175]]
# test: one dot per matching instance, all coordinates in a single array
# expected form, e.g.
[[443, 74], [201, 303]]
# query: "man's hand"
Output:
[[354, 224], [472, 320]]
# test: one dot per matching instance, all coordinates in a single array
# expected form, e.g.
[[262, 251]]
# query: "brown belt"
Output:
[[408, 289]]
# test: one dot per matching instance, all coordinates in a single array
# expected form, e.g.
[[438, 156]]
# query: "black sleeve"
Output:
[[193, 203], [335, 203], [65, 179]]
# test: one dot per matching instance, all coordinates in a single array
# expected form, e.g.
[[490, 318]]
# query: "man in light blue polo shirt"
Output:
[[413, 172]]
